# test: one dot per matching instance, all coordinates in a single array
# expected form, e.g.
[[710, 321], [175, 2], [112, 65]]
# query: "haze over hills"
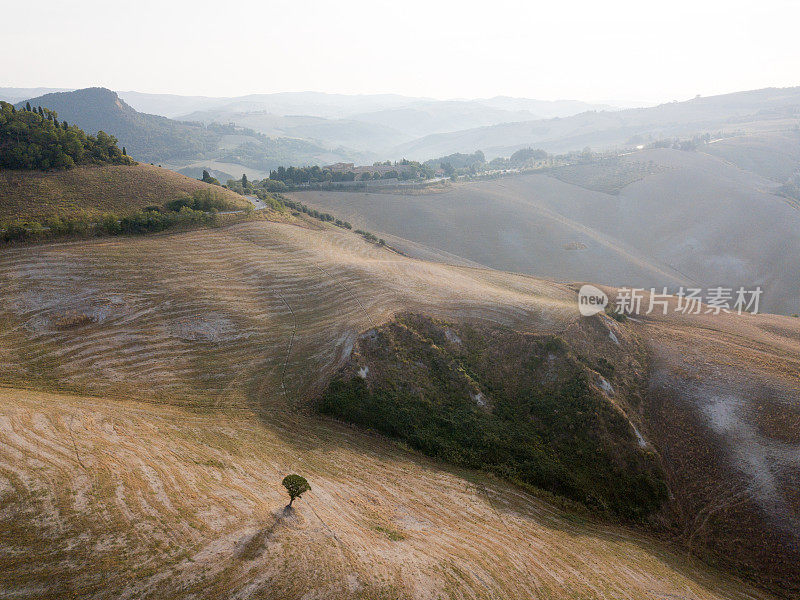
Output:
[[360, 135], [376, 123], [332, 106], [14, 95], [157, 139], [604, 129], [301, 128], [329, 127]]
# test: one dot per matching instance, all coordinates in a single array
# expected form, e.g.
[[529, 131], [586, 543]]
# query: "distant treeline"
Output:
[[34, 139], [297, 176], [471, 164], [315, 174]]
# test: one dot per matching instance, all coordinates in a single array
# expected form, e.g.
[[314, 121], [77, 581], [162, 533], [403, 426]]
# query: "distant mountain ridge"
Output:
[[603, 129], [158, 139], [150, 138], [303, 128], [14, 95]]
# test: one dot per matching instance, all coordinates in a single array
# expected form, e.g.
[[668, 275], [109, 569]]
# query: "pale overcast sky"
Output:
[[598, 51]]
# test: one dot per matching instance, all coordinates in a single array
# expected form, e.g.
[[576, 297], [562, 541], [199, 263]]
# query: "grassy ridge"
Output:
[[120, 189]]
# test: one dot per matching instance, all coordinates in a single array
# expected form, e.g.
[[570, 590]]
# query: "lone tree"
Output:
[[295, 485]]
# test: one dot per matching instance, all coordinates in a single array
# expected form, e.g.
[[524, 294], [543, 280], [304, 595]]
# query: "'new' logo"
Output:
[[591, 300]]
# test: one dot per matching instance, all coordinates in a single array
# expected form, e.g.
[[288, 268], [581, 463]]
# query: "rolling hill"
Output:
[[149, 138], [158, 388], [373, 124], [771, 108], [95, 189], [652, 218], [157, 139], [349, 133], [774, 155]]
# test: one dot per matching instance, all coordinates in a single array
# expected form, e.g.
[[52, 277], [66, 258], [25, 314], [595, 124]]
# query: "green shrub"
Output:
[[18, 231], [205, 200]]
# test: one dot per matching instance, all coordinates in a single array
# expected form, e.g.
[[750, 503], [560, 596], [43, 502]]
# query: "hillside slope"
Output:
[[149, 138], [774, 155], [226, 335], [677, 218], [120, 188]]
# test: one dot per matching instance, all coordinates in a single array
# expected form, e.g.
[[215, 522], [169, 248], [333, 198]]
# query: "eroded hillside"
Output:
[[551, 412], [157, 390]]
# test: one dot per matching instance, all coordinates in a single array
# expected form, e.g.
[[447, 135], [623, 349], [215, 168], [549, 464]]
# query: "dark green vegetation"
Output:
[[476, 163], [207, 178], [207, 200], [295, 485], [34, 139], [315, 175], [527, 407]]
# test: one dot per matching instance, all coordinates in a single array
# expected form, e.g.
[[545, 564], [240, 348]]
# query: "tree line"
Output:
[[34, 139], [295, 176]]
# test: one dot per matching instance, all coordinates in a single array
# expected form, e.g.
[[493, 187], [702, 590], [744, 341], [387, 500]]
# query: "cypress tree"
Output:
[[28, 106]]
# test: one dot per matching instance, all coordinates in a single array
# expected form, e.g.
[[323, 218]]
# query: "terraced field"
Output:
[[156, 392], [207, 315]]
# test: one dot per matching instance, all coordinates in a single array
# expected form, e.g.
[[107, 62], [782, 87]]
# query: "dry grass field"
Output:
[[156, 392], [89, 189]]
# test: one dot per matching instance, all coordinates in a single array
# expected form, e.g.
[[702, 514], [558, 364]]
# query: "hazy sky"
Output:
[[598, 50]]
